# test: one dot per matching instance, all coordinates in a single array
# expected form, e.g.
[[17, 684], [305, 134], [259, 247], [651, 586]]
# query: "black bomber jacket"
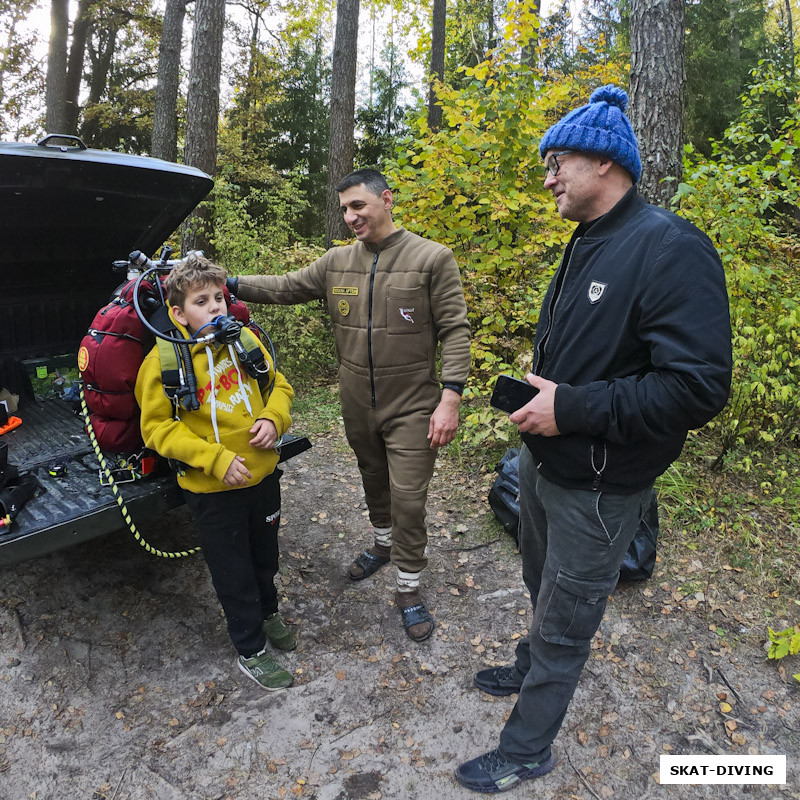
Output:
[[635, 329]]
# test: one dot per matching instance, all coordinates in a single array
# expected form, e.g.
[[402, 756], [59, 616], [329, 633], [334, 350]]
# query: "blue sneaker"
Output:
[[493, 772]]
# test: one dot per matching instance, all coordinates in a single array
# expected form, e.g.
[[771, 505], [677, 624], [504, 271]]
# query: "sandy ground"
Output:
[[117, 677]]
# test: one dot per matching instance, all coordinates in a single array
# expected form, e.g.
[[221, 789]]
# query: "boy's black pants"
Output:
[[238, 531]]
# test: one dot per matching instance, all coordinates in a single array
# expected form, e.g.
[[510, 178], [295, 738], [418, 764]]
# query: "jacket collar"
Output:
[[390, 241], [626, 208]]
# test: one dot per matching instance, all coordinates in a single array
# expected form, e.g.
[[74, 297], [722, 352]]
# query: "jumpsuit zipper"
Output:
[[369, 327]]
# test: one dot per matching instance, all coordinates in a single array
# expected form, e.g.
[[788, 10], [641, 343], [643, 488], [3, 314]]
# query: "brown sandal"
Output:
[[416, 615], [369, 563]]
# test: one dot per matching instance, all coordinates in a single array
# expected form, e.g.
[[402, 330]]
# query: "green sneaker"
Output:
[[265, 672], [280, 635]]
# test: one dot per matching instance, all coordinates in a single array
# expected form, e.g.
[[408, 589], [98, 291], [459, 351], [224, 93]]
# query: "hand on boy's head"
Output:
[[237, 474], [266, 434]]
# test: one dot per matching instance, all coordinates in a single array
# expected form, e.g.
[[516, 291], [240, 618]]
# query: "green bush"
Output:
[[252, 227], [746, 197], [301, 333]]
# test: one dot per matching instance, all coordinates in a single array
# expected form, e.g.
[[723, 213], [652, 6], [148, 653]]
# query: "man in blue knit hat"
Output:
[[632, 350]]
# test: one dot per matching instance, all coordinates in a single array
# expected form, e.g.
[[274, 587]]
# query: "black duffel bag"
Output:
[[640, 559]]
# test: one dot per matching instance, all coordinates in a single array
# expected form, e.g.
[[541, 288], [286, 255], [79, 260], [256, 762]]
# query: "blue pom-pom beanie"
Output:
[[599, 127]]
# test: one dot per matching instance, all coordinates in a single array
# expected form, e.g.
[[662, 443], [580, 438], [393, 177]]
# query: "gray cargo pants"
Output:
[[572, 544]]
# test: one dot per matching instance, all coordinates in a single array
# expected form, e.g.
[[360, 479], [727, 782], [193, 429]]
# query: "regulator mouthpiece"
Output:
[[229, 329]]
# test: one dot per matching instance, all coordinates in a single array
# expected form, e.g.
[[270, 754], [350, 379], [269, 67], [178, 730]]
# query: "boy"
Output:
[[231, 483]]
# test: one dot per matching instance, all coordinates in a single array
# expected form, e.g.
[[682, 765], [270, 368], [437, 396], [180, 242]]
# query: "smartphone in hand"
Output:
[[510, 394]]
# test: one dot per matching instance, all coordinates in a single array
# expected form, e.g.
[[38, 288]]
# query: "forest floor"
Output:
[[118, 681]]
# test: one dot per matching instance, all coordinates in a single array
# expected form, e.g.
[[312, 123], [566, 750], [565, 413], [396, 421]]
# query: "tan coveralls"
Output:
[[391, 305]]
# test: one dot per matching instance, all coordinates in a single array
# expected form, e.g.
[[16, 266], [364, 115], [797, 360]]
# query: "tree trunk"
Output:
[[343, 104], [491, 38], [529, 50], [656, 94], [101, 64], [101, 58], [165, 117], [247, 118], [202, 112], [735, 39], [438, 26], [790, 38], [77, 54], [56, 91]]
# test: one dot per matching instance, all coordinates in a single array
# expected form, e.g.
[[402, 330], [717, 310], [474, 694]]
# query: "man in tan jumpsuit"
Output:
[[393, 297]]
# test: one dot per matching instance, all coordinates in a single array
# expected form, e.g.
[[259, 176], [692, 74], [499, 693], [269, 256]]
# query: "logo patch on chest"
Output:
[[406, 313], [344, 307], [596, 291]]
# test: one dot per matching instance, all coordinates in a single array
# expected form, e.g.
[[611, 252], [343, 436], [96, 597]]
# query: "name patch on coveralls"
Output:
[[349, 290]]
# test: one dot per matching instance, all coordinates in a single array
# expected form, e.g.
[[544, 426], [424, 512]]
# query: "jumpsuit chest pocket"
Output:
[[406, 310]]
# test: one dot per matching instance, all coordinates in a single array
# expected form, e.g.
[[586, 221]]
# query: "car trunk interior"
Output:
[[68, 214]]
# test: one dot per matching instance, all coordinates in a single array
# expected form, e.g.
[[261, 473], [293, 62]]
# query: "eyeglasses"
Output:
[[551, 165]]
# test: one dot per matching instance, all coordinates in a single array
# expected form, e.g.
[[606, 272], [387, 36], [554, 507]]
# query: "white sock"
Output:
[[407, 581], [383, 536]]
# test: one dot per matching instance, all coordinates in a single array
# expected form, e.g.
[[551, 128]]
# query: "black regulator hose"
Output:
[[191, 379], [230, 328]]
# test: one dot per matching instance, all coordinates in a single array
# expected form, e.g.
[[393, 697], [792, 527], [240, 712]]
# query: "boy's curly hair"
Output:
[[192, 272]]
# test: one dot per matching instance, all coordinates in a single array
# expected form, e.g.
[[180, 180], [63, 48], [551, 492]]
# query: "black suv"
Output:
[[68, 213]]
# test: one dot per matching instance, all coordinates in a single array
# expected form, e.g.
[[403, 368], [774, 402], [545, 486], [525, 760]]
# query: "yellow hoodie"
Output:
[[208, 439]]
